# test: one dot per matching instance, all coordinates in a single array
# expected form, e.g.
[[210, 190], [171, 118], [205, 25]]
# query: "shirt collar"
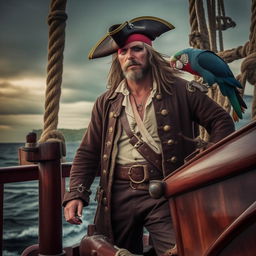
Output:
[[122, 88]]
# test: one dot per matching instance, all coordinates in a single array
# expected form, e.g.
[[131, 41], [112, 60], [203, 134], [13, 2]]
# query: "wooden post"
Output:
[[1, 216], [48, 155]]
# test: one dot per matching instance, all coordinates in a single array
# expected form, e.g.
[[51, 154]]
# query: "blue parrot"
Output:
[[212, 69]]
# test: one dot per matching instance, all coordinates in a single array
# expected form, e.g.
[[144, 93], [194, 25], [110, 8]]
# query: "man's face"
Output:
[[133, 59]]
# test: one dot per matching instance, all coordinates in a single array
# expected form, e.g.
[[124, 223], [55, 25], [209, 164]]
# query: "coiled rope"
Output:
[[57, 23], [123, 252]]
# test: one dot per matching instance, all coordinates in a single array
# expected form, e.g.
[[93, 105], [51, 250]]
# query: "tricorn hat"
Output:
[[149, 26]]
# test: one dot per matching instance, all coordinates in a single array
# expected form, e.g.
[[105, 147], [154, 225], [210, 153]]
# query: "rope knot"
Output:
[[54, 135], [198, 40]]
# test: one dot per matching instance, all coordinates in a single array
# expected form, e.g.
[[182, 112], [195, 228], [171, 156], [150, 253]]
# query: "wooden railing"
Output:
[[213, 198], [30, 173]]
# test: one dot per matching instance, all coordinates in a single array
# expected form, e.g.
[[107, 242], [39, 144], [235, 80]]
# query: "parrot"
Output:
[[213, 69]]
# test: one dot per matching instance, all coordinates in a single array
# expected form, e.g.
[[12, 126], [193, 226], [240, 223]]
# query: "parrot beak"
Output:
[[176, 63], [173, 62]]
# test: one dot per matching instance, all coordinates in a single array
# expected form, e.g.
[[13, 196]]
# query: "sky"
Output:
[[23, 54]]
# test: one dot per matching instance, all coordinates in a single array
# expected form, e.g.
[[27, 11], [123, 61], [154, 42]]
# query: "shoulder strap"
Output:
[[142, 147]]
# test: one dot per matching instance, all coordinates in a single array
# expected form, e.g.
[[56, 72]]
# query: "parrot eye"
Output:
[[184, 58]]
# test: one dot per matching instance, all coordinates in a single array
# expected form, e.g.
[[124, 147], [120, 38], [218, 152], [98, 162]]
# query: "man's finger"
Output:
[[80, 209]]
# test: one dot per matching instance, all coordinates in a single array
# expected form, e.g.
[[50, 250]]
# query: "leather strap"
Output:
[[137, 173], [141, 146]]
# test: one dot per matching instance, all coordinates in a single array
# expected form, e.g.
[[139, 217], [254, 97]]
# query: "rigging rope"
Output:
[[198, 37], [198, 26], [212, 24], [248, 66], [57, 24]]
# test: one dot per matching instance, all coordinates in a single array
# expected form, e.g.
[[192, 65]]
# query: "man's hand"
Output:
[[73, 211]]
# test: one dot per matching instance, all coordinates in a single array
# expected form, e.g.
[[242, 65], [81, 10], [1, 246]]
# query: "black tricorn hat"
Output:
[[149, 26]]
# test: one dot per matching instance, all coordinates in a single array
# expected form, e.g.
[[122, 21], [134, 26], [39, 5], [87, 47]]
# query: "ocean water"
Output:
[[21, 202]]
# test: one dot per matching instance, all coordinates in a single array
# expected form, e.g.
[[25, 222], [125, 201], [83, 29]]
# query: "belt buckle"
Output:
[[145, 173]]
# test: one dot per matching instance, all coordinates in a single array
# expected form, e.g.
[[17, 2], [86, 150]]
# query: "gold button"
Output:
[[108, 143], [115, 115], [167, 128], [170, 142], [111, 114], [110, 130], [105, 157], [164, 112], [104, 172], [158, 96], [173, 159]]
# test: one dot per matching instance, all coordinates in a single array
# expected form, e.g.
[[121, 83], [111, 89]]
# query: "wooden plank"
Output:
[[26, 173]]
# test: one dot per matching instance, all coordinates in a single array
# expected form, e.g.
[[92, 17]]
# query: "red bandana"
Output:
[[137, 37]]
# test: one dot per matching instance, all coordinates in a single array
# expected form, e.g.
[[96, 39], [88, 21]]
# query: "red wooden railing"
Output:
[[36, 172]]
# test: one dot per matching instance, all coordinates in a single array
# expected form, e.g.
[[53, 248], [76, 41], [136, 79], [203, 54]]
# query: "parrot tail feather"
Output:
[[235, 116], [241, 101], [235, 103]]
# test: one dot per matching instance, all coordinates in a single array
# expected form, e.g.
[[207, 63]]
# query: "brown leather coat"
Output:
[[176, 114]]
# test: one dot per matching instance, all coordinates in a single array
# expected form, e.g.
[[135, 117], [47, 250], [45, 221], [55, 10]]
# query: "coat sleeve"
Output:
[[87, 159], [207, 113]]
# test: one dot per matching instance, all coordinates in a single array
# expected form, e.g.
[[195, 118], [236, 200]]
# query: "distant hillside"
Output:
[[69, 134]]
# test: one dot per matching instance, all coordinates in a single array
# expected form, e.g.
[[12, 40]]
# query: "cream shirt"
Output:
[[126, 152]]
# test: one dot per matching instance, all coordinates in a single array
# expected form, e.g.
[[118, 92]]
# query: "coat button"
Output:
[[108, 143], [167, 128], [164, 112], [105, 157], [170, 142], [104, 172], [110, 129], [111, 114], [173, 159], [159, 96]]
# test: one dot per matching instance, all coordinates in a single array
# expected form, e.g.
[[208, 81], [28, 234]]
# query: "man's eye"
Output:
[[137, 48], [122, 51]]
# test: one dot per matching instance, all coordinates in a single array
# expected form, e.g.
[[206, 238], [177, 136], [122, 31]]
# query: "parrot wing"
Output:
[[214, 69], [213, 63]]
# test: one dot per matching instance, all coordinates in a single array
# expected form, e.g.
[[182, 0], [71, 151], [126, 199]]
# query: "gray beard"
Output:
[[136, 75]]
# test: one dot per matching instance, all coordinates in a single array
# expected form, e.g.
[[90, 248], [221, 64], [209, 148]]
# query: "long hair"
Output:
[[161, 70]]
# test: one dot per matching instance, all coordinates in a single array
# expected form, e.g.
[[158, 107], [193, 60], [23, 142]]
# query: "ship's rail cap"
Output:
[[230, 156]]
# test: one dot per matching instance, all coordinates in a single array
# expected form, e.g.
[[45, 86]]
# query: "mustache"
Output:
[[131, 63]]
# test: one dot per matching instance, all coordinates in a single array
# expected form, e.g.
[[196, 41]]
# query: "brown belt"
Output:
[[137, 173]]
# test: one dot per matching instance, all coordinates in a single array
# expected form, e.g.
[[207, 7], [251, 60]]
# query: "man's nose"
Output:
[[130, 54]]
